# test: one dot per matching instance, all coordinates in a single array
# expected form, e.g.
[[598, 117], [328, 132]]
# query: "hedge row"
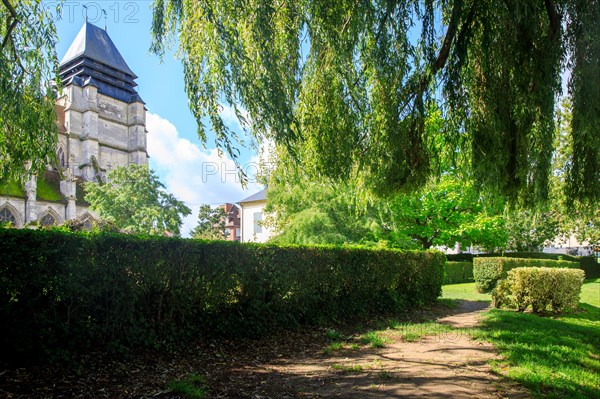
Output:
[[544, 289], [462, 257], [487, 271], [539, 255], [467, 257], [70, 292], [590, 266], [587, 263], [458, 272]]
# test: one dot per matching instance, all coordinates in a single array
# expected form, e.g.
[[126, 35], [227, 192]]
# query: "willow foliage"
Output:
[[28, 66], [348, 84]]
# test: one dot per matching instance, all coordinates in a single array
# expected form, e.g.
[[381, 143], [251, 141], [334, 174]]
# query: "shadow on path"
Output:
[[450, 364], [466, 314], [447, 365]]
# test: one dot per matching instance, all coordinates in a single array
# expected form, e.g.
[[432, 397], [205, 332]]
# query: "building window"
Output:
[[61, 158], [88, 224], [48, 220], [258, 222], [6, 216]]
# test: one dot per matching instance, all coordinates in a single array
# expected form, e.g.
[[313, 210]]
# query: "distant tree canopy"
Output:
[[530, 231], [448, 211], [348, 84], [134, 200], [28, 66], [444, 212], [579, 219], [211, 223], [321, 212]]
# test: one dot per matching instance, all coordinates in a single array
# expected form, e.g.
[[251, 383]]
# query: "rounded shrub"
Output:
[[487, 271], [544, 289]]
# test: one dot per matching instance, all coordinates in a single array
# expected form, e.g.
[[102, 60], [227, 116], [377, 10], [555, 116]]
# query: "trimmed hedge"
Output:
[[586, 263], [487, 271], [538, 255], [67, 292], [458, 272], [590, 266], [542, 288], [462, 257], [467, 257]]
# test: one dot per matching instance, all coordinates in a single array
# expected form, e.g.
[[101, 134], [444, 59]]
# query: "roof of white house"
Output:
[[259, 196]]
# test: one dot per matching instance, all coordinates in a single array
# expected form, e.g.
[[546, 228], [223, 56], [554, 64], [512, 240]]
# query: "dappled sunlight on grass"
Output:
[[553, 357], [411, 332], [590, 292]]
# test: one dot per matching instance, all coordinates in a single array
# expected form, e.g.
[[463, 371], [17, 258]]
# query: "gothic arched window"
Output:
[[88, 221], [61, 158], [6, 216], [48, 220]]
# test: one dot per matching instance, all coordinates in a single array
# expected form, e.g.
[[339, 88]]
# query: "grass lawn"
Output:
[[555, 357], [590, 292], [464, 291]]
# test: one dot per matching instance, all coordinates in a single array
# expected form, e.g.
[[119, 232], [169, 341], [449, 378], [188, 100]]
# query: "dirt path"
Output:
[[449, 365], [292, 365]]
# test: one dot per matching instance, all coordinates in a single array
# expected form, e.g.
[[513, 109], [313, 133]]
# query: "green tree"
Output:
[[211, 223], [588, 228], [134, 200], [350, 82], [448, 211], [530, 230], [319, 212], [28, 79], [580, 218]]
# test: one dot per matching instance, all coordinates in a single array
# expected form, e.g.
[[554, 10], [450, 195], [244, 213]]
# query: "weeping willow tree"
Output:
[[28, 78], [345, 86]]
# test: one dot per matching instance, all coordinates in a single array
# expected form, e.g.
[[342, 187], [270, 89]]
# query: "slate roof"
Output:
[[93, 60], [259, 196], [94, 43]]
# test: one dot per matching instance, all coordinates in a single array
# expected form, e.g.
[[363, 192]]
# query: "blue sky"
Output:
[[192, 172]]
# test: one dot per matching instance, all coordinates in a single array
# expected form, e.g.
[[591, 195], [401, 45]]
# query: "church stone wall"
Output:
[[83, 211], [113, 134], [111, 158], [56, 209], [110, 130], [18, 207], [111, 109]]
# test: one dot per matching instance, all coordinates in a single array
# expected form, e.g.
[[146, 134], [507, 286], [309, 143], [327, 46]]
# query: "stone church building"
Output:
[[101, 124]]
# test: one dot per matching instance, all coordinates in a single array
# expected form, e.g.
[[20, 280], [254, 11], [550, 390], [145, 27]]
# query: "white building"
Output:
[[568, 244], [101, 124], [252, 216]]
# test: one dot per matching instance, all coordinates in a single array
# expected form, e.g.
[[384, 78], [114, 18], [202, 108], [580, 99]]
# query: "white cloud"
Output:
[[194, 175]]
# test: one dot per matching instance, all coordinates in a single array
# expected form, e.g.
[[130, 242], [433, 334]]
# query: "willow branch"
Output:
[[440, 61], [553, 17], [12, 21], [417, 86]]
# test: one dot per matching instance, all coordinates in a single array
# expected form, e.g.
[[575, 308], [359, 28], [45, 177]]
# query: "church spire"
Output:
[[94, 58]]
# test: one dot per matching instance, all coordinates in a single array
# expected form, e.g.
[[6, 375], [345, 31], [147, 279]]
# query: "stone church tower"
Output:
[[101, 123]]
